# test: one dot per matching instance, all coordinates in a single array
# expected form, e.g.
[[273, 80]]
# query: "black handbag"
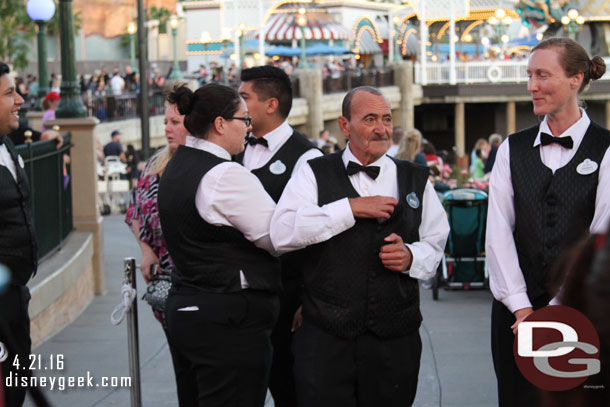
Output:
[[158, 288]]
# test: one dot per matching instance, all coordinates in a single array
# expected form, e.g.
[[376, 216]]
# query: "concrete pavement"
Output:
[[456, 367]]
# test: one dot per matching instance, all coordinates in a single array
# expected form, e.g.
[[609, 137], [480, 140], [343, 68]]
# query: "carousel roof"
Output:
[[281, 24]]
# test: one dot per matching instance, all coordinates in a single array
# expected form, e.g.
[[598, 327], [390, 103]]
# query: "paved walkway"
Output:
[[456, 367]]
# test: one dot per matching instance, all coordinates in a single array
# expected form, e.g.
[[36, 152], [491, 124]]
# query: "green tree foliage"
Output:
[[16, 32], [162, 14]]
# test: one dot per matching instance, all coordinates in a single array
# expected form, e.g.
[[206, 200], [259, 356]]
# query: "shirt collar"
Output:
[[576, 131], [278, 136], [202, 144], [349, 156]]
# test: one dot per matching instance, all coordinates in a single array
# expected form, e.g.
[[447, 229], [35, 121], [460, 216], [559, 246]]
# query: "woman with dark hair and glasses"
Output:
[[215, 217]]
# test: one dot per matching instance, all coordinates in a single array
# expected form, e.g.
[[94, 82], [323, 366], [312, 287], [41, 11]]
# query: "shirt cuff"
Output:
[[418, 269], [517, 301]]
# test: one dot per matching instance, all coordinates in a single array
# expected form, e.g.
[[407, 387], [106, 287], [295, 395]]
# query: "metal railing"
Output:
[[354, 78], [491, 71], [48, 170], [126, 106]]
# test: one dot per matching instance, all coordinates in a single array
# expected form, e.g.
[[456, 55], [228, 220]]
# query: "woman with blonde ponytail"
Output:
[[143, 220], [550, 186]]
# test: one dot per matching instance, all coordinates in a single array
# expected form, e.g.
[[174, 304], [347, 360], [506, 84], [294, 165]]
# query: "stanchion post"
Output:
[[132, 335]]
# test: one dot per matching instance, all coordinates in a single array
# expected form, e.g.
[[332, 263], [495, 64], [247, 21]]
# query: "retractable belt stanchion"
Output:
[[129, 307]]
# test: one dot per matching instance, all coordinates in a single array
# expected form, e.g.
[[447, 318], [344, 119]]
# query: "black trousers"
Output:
[[281, 380], [15, 335], [513, 389], [186, 378], [362, 372], [225, 337]]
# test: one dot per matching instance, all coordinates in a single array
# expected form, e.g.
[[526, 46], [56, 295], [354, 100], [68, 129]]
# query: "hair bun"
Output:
[[183, 98], [597, 67]]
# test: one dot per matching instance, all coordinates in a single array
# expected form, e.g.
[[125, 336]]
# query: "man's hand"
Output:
[[395, 255], [521, 314], [373, 206], [53, 135]]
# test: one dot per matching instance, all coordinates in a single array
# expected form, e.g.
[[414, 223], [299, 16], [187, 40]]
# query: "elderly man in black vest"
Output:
[[273, 152], [18, 248], [373, 226]]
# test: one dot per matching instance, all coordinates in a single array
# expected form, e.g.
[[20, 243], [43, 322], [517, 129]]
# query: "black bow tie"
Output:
[[565, 142], [257, 140], [353, 168]]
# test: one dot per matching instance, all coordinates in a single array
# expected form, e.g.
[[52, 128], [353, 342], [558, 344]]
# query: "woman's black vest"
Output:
[[207, 257], [552, 211]]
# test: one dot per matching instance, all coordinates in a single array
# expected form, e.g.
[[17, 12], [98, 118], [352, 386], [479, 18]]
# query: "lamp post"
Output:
[[302, 22], [205, 40], [572, 23], [396, 39], [226, 39], [70, 102], [173, 23], [500, 21], [242, 51], [41, 11], [132, 29]]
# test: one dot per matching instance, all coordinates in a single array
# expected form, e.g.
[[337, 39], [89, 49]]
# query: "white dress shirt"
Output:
[[258, 155], [299, 222], [7, 161], [505, 276], [230, 195]]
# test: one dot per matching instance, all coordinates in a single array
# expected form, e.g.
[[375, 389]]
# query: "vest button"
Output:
[[543, 264], [373, 274], [549, 244]]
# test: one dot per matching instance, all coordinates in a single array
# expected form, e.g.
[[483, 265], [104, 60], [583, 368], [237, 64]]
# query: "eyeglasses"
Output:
[[246, 120]]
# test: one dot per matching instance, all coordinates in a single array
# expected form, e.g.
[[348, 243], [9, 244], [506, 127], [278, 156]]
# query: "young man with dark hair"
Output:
[[274, 151], [18, 247]]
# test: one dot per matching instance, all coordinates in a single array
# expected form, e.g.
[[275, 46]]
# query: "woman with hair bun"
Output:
[[215, 216], [549, 187]]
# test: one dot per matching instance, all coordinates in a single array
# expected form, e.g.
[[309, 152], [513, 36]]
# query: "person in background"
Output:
[[117, 83], [132, 162], [494, 142], [143, 220], [114, 147], [549, 187], [223, 302], [480, 144], [49, 105], [410, 148], [130, 80], [479, 165], [322, 139], [397, 135]]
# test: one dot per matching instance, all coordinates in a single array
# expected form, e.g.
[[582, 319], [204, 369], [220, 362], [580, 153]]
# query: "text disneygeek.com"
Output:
[[64, 382]]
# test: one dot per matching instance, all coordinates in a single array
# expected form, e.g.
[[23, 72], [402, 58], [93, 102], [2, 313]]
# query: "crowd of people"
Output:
[[299, 272]]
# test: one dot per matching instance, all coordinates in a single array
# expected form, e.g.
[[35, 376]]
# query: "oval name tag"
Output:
[[587, 167], [413, 200], [277, 168]]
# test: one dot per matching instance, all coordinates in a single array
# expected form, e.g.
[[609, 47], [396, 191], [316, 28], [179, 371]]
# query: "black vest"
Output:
[[18, 247], [288, 154], [207, 257], [552, 211], [347, 289]]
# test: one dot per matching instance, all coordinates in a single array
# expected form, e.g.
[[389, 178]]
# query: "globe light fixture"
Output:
[[41, 11]]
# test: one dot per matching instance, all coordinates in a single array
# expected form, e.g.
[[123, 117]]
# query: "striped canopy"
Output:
[[282, 25]]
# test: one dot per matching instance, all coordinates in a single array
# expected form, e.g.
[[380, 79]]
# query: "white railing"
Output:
[[512, 71]]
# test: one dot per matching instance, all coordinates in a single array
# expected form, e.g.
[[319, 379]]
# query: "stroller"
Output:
[[464, 264]]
